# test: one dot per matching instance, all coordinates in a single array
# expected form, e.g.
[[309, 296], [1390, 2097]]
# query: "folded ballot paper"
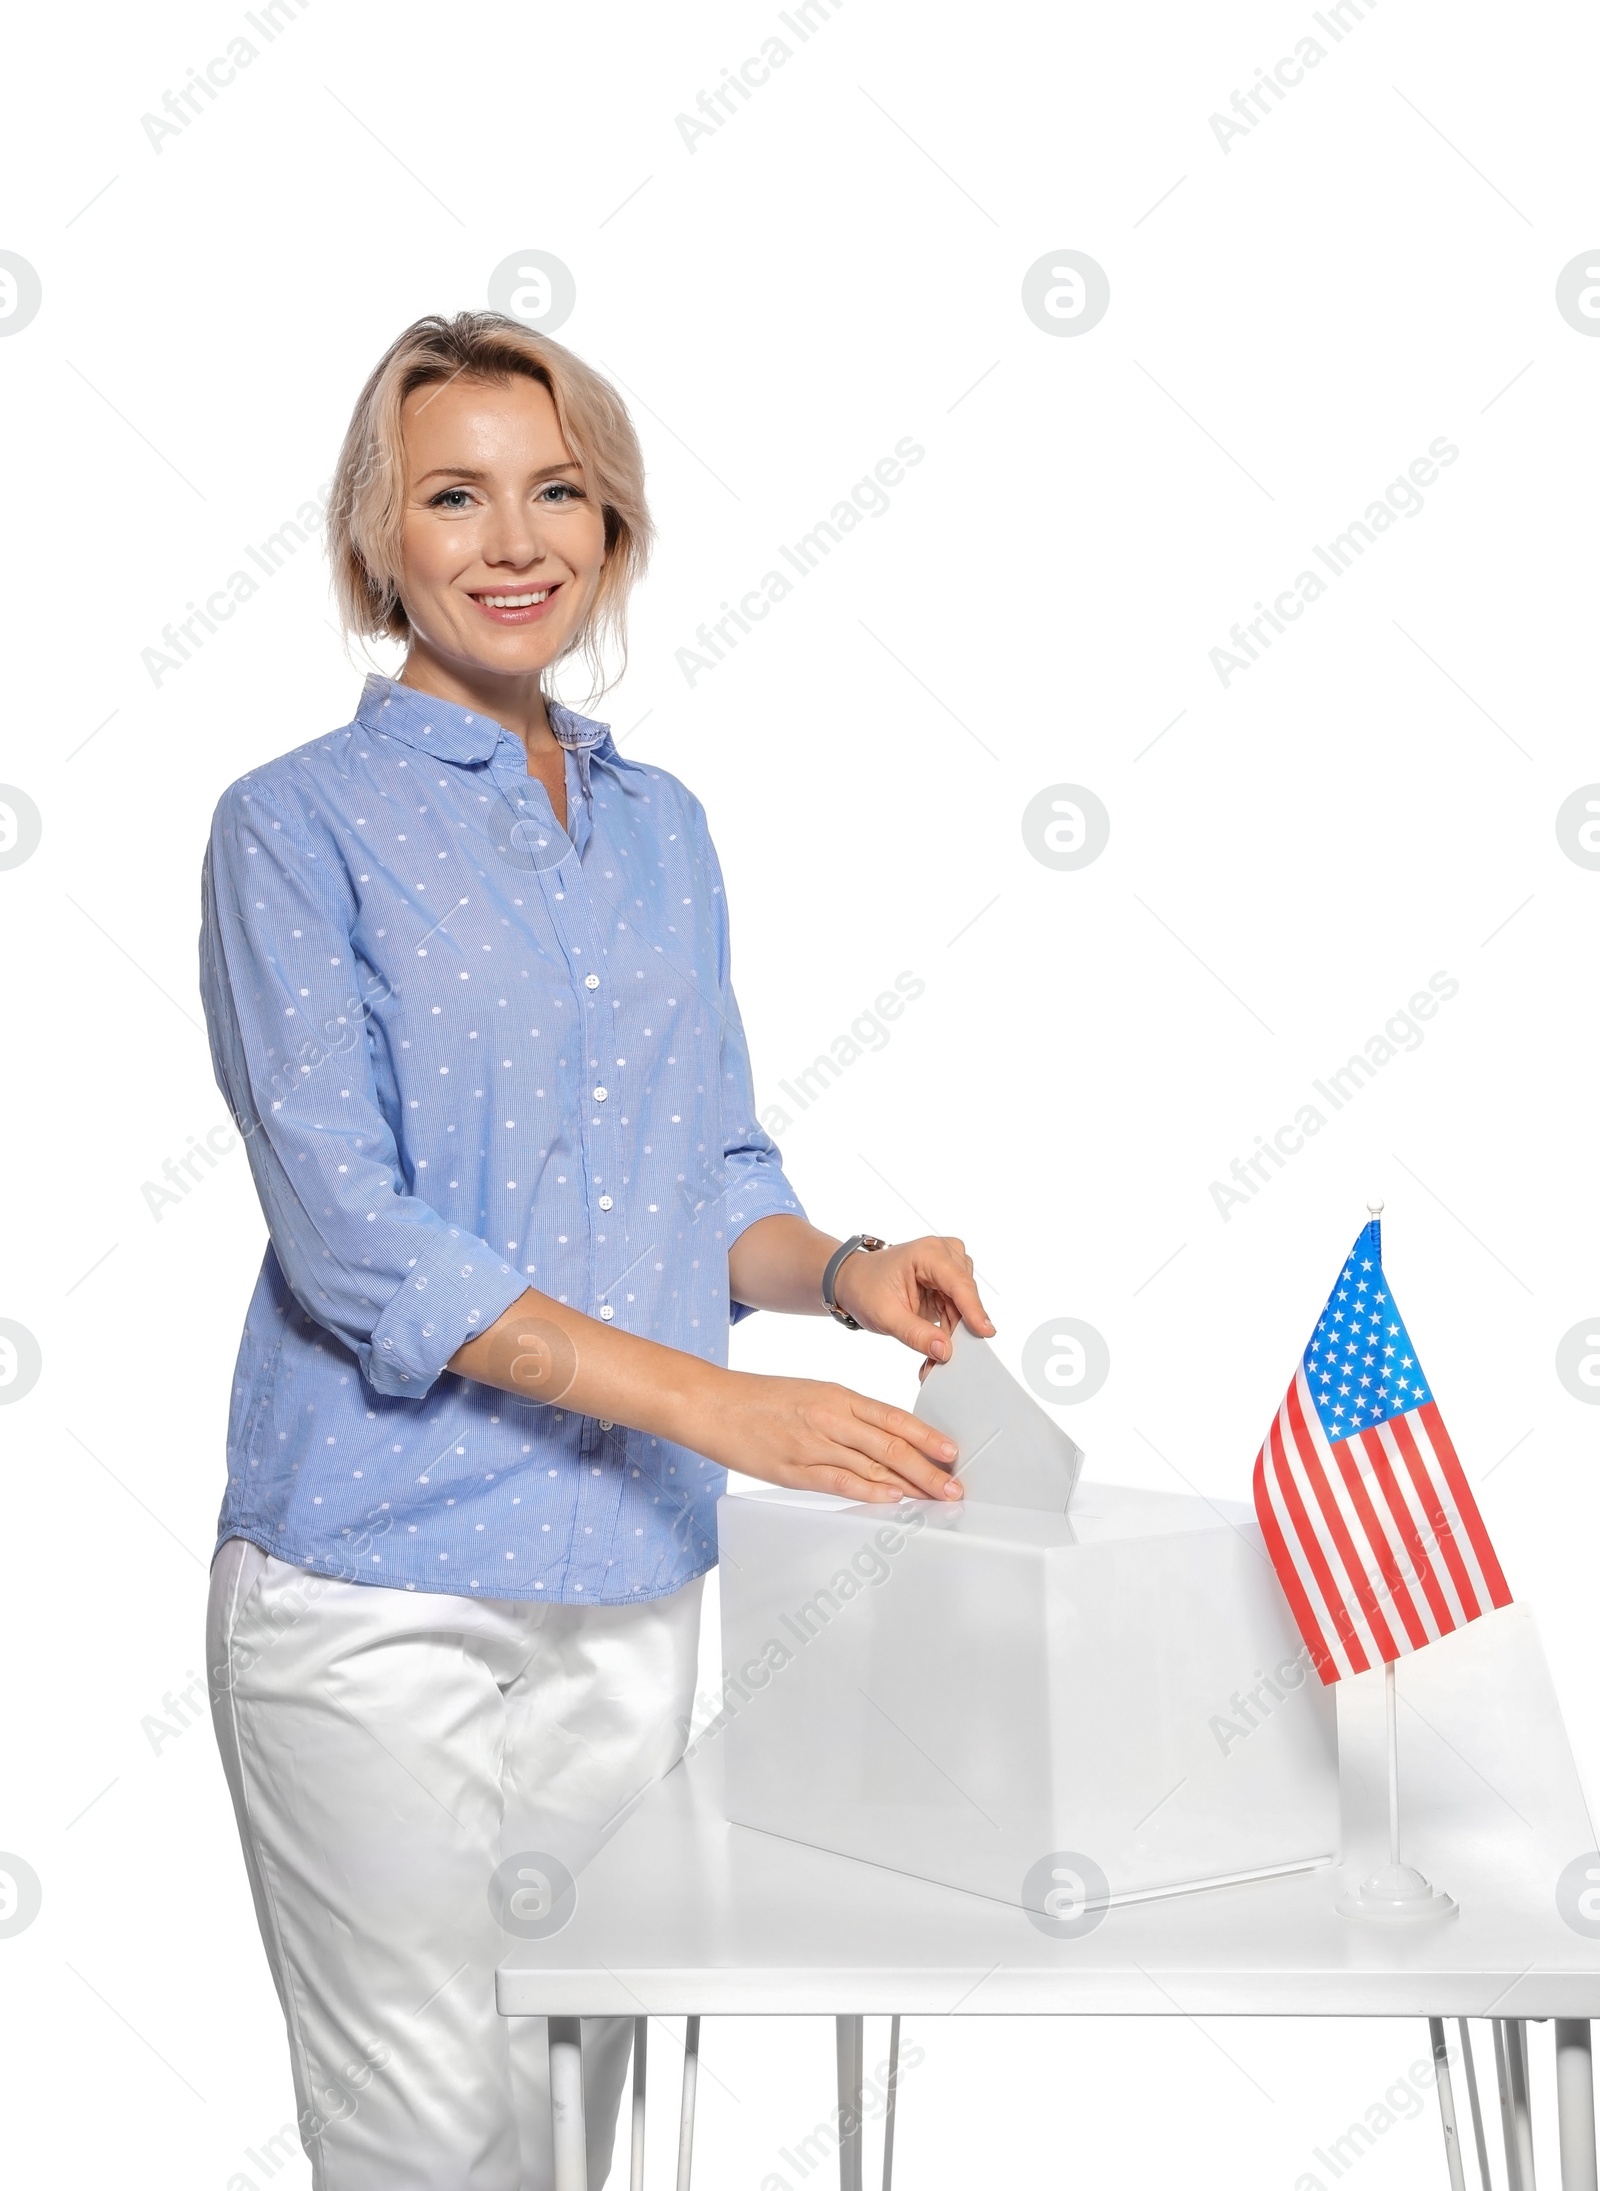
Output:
[[1053, 1677], [1008, 1451]]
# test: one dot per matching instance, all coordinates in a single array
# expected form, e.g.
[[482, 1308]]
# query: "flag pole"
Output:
[[1396, 1892], [1394, 1760]]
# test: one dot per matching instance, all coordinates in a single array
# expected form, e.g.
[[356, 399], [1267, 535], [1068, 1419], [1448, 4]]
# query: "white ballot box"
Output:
[[997, 1698]]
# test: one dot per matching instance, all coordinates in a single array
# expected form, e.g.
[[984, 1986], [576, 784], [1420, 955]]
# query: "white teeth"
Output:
[[512, 600]]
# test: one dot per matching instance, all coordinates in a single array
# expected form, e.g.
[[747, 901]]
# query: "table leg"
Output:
[[641, 2039], [1521, 2106], [894, 2079], [849, 2045], [1472, 2098], [566, 2104], [1575, 2104], [1514, 2180], [1447, 2105], [691, 2073]]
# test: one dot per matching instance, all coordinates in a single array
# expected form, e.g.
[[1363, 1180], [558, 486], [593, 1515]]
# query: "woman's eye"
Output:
[[452, 498], [564, 489]]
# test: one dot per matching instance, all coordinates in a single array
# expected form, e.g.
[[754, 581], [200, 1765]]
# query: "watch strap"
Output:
[[865, 1242]]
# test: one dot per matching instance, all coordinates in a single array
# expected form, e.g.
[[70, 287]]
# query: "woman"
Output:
[[465, 969]]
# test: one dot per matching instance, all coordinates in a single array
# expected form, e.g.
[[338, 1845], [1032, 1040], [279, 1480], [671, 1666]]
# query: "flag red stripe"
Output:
[[1466, 1504], [1316, 1559], [1394, 1498], [1310, 1543], [1288, 1575], [1362, 1589], [1438, 1520], [1383, 1550]]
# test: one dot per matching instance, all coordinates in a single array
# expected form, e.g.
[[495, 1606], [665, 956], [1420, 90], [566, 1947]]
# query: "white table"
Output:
[[681, 1914]]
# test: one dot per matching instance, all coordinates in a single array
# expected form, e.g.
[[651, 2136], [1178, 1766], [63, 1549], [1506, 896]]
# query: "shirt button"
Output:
[[605, 1201], [607, 1313], [591, 981], [600, 1095]]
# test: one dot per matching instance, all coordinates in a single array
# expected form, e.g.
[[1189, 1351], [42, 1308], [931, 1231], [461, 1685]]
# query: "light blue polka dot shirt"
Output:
[[470, 1054]]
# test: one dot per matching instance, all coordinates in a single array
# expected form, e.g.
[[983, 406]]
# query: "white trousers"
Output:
[[388, 1751]]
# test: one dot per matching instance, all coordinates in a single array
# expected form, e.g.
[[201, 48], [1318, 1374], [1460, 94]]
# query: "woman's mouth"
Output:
[[524, 605]]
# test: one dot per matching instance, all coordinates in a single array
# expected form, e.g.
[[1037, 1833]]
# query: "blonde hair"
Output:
[[367, 506]]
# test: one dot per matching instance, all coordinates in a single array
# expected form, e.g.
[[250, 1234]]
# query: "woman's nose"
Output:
[[512, 536]]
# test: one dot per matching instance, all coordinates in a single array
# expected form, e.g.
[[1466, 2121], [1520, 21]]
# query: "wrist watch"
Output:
[[868, 1243]]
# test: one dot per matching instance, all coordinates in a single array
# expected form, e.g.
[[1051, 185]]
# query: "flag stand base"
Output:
[[1395, 1894]]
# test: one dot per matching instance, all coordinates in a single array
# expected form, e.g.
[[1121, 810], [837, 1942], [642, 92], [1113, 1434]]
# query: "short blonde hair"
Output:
[[367, 505]]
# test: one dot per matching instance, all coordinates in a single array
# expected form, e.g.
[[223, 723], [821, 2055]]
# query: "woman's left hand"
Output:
[[914, 1291]]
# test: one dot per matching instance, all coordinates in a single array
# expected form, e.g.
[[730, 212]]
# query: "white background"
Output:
[[1292, 321]]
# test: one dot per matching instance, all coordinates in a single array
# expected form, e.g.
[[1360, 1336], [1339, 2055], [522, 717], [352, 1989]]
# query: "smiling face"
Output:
[[502, 545]]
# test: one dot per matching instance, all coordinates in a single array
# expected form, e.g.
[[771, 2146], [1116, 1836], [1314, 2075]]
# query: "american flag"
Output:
[[1368, 1517]]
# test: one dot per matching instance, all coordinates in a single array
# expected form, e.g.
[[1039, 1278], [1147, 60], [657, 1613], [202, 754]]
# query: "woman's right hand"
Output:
[[793, 1431], [810, 1436]]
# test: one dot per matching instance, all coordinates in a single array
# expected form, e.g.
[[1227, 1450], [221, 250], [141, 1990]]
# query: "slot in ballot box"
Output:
[[988, 1695]]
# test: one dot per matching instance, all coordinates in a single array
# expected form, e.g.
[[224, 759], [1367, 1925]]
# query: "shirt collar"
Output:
[[450, 733]]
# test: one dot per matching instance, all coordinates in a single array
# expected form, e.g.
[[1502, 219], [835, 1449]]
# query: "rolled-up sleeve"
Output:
[[382, 1269], [756, 1183]]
